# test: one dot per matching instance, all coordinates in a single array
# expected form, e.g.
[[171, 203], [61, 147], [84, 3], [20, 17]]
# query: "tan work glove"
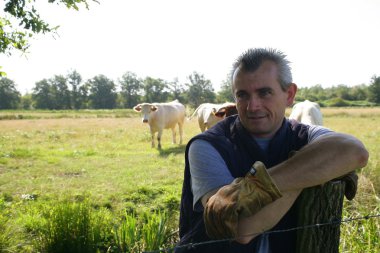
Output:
[[244, 197], [351, 184]]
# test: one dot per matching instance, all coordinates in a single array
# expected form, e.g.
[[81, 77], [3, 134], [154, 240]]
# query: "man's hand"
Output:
[[351, 184], [244, 197]]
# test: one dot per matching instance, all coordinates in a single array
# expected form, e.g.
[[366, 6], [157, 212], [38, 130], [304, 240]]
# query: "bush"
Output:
[[337, 102]]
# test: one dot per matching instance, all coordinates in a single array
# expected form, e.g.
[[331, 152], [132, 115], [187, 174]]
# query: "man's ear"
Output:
[[291, 91]]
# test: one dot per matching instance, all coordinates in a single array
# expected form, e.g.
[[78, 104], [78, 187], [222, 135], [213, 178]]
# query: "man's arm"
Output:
[[266, 218], [330, 156]]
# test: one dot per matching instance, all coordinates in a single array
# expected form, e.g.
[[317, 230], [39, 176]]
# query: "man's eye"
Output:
[[242, 96], [265, 93]]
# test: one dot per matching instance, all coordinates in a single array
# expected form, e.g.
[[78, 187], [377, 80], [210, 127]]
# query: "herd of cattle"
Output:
[[162, 116]]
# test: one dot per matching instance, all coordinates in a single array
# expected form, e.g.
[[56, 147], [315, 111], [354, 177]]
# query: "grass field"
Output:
[[105, 157]]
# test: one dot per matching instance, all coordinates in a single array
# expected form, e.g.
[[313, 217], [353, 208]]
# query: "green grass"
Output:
[[66, 159]]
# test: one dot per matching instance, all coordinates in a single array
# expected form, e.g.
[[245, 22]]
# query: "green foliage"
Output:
[[97, 151], [68, 228], [349, 94], [177, 91], [22, 21], [74, 227], [128, 235], [336, 102], [4, 235], [65, 92], [131, 88], [374, 90], [225, 94], [9, 96], [155, 230], [102, 92], [155, 90], [200, 90]]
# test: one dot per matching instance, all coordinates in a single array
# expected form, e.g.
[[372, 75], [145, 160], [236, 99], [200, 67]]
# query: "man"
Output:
[[296, 156]]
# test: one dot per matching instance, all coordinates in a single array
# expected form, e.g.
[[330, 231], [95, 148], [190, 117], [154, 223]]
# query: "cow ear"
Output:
[[153, 108], [137, 108], [220, 113]]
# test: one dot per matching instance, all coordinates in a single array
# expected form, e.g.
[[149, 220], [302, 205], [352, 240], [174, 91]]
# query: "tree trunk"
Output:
[[317, 205]]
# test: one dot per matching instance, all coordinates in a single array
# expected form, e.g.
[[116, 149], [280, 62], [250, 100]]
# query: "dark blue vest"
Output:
[[240, 151]]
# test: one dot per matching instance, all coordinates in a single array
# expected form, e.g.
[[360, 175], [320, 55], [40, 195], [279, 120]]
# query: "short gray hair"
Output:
[[251, 60]]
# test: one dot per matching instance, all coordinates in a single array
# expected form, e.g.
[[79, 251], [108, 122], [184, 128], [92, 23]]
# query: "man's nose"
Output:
[[254, 103]]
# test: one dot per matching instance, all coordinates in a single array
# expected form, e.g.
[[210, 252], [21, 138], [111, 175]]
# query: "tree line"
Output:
[[100, 92]]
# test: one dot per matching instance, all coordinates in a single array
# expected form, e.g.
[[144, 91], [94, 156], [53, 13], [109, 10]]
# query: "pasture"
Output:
[[106, 158]]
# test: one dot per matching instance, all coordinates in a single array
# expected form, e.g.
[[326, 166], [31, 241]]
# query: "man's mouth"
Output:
[[256, 117]]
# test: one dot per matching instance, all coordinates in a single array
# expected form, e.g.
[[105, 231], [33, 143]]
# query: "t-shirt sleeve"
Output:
[[208, 171], [316, 131]]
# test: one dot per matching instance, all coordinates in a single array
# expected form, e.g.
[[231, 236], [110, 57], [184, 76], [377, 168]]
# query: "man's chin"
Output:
[[258, 132]]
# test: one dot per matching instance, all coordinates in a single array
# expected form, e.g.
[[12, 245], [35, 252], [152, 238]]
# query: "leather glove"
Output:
[[244, 197], [351, 184]]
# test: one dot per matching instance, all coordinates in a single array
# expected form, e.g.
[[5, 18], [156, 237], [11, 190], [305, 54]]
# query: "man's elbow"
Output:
[[362, 157]]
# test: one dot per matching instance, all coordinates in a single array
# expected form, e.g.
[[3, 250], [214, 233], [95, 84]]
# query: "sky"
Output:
[[328, 42]]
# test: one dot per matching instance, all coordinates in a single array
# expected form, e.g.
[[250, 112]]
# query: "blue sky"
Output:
[[328, 42]]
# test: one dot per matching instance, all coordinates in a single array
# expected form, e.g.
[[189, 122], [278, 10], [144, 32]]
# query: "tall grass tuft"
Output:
[[361, 235], [147, 232], [155, 230], [69, 229], [128, 235], [4, 236]]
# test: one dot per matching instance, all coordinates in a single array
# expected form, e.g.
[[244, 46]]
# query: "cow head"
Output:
[[226, 110], [145, 109]]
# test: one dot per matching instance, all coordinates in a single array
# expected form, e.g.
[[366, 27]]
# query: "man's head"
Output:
[[262, 87]]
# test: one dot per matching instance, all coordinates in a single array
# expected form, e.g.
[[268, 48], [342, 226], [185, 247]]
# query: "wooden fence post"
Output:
[[320, 204]]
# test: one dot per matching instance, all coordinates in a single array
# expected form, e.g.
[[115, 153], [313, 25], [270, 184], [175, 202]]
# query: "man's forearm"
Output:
[[266, 218], [329, 157]]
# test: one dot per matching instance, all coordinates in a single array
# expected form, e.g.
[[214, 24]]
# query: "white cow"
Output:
[[209, 114], [307, 112], [162, 116]]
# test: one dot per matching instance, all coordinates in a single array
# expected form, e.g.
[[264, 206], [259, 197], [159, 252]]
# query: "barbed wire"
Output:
[[334, 221]]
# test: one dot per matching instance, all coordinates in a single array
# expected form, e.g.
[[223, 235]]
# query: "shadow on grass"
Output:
[[164, 152]]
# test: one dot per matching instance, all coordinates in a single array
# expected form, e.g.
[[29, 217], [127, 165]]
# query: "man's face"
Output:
[[260, 101]]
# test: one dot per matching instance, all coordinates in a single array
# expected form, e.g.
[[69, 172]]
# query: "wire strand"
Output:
[[334, 221]]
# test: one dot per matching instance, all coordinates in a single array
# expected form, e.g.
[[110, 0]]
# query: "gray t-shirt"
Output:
[[209, 171]]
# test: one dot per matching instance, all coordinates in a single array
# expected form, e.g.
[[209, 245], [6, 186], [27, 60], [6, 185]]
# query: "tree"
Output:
[[43, 96], [84, 97], [200, 90], [343, 92], [9, 96], [176, 90], [374, 90], [225, 94], [155, 90], [102, 92], [21, 21], [131, 88], [26, 102], [60, 92], [359, 92], [75, 79]]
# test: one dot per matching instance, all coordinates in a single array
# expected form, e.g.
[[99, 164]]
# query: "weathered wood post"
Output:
[[316, 205]]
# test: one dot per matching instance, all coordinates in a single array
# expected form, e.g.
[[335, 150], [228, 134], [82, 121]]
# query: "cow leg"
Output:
[[152, 136], [180, 125], [174, 135], [159, 138], [201, 125]]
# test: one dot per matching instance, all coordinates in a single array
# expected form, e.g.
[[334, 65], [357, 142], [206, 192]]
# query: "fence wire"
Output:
[[334, 221]]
